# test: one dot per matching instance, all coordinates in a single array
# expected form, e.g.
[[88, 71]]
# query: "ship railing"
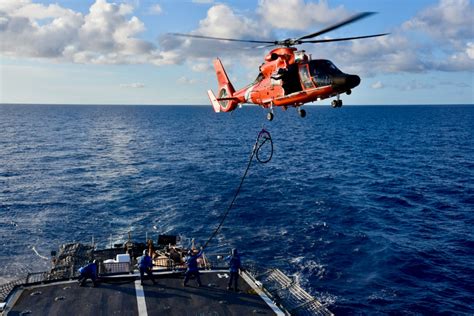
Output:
[[206, 262], [6, 288], [214, 261], [289, 294], [30, 278]]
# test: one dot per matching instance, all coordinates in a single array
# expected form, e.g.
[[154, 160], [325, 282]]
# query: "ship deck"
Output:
[[125, 296]]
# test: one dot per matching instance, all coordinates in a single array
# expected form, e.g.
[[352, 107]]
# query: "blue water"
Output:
[[371, 208]]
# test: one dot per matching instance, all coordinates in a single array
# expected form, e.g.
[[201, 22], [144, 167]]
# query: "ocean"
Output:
[[371, 208]]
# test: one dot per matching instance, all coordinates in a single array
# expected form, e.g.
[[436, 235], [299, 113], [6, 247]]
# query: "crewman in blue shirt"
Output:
[[191, 262], [145, 265], [234, 266], [88, 272]]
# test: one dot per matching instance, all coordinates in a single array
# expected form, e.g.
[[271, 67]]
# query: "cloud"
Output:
[[377, 85], [470, 50], [448, 20], [134, 85], [298, 14], [156, 9], [449, 26], [107, 34], [220, 21], [438, 38], [401, 51]]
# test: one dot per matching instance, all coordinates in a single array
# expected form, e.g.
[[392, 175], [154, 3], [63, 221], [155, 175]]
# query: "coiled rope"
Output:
[[262, 138]]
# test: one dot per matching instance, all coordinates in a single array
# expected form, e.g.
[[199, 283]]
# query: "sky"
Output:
[[120, 51]]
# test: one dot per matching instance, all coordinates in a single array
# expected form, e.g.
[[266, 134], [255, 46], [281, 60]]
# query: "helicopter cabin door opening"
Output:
[[291, 80]]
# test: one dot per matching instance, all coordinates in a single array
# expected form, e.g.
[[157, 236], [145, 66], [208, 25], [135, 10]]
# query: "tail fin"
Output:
[[224, 101]]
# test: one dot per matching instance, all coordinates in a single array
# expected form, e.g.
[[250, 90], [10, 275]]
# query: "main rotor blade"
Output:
[[342, 39], [338, 25], [222, 38]]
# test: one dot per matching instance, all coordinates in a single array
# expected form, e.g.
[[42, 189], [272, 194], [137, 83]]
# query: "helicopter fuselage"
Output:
[[290, 78], [287, 78]]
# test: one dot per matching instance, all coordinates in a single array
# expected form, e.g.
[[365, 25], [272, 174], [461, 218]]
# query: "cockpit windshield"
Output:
[[323, 67]]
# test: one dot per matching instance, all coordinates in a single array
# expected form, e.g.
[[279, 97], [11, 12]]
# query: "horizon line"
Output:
[[208, 105]]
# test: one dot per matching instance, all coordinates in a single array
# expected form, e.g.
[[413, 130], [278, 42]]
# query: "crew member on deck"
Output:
[[88, 272], [145, 265], [191, 262], [234, 266]]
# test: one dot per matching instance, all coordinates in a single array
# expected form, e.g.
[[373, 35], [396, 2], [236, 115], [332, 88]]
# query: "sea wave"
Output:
[[370, 208]]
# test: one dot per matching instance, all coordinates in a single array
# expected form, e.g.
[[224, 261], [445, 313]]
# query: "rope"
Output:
[[262, 138]]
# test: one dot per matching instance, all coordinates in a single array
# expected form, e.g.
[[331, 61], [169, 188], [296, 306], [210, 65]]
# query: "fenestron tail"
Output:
[[225, 102]]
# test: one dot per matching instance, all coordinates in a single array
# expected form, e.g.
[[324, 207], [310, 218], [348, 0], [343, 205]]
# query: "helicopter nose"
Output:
[[346, 81], [353, 81]]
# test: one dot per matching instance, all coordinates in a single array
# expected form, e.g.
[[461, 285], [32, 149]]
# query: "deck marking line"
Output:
[[141, 303]]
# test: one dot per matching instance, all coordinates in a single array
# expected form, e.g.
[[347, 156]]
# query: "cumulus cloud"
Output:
[[24, 34], [448, 20], [438, 38], [107, 34], [298, 14], [110, 34], [221, 21], [450, 26], [401, 51]]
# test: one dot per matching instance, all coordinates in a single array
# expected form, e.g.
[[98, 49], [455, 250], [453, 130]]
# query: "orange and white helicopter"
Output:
[[288, 77]]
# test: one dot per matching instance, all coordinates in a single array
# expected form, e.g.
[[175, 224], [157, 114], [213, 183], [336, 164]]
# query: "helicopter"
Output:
[[289, 77]]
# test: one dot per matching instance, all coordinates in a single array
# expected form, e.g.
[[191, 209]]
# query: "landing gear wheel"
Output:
[[302, 113], [336, 103], [270, 116]]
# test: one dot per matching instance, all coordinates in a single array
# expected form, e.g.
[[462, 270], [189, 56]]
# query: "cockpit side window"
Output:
[[305, 76]]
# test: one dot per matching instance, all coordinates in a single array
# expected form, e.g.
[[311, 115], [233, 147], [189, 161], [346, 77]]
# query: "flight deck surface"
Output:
[[119, 296]]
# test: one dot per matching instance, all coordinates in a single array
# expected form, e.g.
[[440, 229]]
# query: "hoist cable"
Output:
[[262, 138]]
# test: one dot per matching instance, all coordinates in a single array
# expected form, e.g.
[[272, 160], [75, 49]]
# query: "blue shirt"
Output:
[[191, 261], [234, 263], [90, 269], [145, 262]]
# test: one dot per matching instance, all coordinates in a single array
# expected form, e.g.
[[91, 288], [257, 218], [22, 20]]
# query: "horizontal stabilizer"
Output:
[[214, 102], [228, 99]]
